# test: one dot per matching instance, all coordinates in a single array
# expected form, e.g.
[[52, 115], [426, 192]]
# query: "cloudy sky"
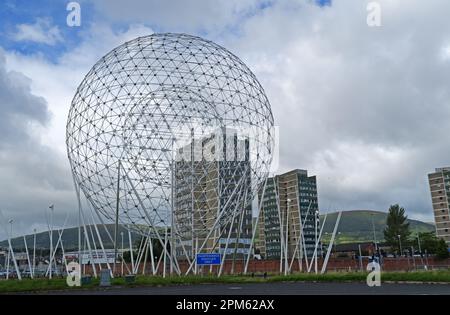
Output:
[[366, 109]]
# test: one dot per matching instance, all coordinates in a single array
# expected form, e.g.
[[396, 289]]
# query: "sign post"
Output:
[[208, 259]]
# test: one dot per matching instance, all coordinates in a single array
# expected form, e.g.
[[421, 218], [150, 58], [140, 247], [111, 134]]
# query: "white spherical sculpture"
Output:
[[141, 107]]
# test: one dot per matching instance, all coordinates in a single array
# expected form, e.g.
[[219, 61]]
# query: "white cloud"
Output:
[[363, 108], [42, 31], [366, 109], [181, 15], [36, 172]]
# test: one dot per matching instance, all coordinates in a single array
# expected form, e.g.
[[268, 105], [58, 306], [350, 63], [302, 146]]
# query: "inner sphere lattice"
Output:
[[143, 106]]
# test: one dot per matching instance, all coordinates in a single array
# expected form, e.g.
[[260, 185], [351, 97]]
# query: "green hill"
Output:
[[70, 238], [356, 226]]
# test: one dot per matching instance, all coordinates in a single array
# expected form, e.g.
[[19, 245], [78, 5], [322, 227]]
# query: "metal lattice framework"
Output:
[[156, 99]]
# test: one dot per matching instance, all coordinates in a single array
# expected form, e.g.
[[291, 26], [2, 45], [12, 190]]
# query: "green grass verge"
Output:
[[28, 285]]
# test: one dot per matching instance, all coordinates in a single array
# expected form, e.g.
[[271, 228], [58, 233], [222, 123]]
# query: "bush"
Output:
[[442, 250]]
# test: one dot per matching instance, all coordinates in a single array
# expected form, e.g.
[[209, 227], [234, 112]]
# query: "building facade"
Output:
[[289, 203], [439, 182], [204, 187]]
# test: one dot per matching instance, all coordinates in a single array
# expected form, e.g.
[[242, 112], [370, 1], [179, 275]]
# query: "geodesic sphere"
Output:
[[142, 106]]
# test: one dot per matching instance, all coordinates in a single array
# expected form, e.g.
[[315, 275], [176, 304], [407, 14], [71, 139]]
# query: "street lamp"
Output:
[[51, 207], [373, 228], [10, 221], [335, 244], [418, 241], [34, 252], [400, 244]]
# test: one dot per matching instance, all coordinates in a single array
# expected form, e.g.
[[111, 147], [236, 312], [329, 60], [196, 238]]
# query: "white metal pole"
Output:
[[131, 251], [64, 255], [9, 251], [195, 257], [51, 239], [14, 261], [316, 247], [12, 252], [222, 263], [57, 244], [165, 254], [28, 256], [304, 252], [374, 235], [7, 263], [121, 235], [152, 257], [360, 258], [147, 214], [78, 194], [420, 249], [159, 261], [325, 262], [216, 223], [146, 255], [320, 233], [286, 247], [34, 252], [298, 245], [116, 225], [316, 214], [86, 235], [140, 254], [109, 236], [101, 244], [94, 244], [260, 203]]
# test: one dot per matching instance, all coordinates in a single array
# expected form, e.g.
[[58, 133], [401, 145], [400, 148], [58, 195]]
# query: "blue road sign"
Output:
[[208, 259]]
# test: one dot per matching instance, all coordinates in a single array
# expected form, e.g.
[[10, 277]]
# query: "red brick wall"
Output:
[[273, 266]]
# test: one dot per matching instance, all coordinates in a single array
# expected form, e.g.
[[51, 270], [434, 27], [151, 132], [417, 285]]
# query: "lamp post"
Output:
[[34, 252], [335, 244], [420, 250], [373, 228], [400, 244], [9, 250], [51, 207]]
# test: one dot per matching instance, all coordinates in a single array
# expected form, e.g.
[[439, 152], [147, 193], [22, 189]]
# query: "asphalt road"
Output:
[[279, 288]]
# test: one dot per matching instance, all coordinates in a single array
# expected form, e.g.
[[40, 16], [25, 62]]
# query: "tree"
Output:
[[442, 250], [397, 232], [428, 242]]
